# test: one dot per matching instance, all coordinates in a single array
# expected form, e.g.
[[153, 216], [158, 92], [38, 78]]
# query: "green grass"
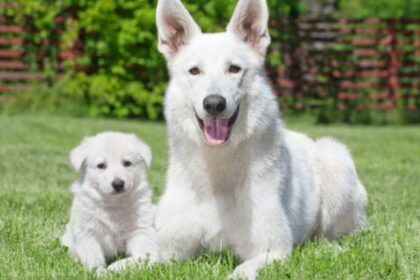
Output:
[[35, 175]]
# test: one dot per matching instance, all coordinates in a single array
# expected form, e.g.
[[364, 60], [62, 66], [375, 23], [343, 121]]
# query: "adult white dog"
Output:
[[237, 178], [112, 212]]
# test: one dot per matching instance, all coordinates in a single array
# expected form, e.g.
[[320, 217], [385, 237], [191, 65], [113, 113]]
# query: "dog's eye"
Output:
[[194, 71], [101, 166], [234, 69], [126, 163]]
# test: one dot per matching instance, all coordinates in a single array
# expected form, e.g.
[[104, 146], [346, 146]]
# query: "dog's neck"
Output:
[[227, 165]]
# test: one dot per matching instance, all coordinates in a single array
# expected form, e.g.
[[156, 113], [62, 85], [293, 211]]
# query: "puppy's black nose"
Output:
[[214, 104], [118, 185]]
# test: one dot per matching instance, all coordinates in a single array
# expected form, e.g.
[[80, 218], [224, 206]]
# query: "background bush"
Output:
[[123, 73], [379, 8]]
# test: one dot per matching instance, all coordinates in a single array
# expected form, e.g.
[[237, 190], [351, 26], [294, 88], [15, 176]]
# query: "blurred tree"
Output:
[[379, 8], [124, 74], [317, 8]]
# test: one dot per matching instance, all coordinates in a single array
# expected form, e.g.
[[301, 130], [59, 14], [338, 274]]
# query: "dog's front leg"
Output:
[[144, 245], [89, 252], [179, 240], [178, 225], [270, 236]]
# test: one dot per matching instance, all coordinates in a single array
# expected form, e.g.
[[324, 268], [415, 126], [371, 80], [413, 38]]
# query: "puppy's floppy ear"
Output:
[[143, 149], [79, 153], [250, 24], [175, 27]]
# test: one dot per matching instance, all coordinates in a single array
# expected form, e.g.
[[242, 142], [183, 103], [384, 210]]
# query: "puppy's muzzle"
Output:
[[118, 185]]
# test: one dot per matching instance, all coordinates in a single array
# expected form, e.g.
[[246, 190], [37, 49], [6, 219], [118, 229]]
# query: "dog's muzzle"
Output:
[[217, 130]]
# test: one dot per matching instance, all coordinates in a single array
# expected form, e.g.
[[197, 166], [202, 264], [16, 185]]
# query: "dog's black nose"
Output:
[[118, 185], [214, 104]]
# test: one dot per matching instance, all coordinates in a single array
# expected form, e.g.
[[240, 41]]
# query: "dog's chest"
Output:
[[115, 228], [228, 222], [121, 222], [220, 173]]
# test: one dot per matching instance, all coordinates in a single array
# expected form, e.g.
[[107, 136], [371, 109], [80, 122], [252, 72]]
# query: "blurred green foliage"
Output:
[[123, 73], [379, 8]]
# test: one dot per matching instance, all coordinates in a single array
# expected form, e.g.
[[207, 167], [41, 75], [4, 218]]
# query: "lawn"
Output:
[[34, 203]]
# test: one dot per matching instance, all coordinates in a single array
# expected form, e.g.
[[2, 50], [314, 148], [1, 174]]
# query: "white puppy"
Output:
[[236, 177], [112, 212]]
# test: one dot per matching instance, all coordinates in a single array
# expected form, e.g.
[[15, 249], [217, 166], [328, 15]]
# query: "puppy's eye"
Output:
[[127, 163], [194, 71], [234, 69], [101, 166]]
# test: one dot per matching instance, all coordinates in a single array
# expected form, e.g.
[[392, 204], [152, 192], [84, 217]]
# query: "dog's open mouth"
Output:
[[217, 130]]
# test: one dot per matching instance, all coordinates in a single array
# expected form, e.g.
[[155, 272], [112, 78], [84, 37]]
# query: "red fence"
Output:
[[23, 60], [357, 64], [346, 64]]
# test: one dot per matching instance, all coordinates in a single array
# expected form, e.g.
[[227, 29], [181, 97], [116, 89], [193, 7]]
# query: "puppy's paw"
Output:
[[100, 271], [127, 263], [246, 270], [123, 265]]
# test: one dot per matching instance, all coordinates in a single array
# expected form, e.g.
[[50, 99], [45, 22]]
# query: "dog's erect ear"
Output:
[[250, 24], [143, 149], [175, 27], [79, 154]]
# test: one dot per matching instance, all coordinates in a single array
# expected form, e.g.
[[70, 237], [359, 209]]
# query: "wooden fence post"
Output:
[[392, 64]]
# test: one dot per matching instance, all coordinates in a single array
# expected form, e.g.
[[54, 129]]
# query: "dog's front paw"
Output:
[[246, 270]]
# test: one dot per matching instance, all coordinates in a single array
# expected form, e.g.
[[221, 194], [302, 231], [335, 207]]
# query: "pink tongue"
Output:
[[216, 131]]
